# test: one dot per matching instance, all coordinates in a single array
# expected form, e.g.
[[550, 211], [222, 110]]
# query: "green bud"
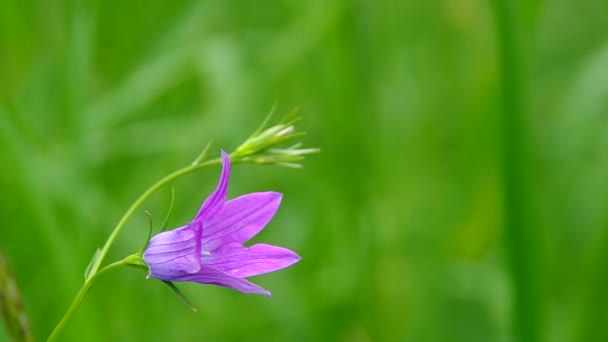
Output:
[[264, 146]]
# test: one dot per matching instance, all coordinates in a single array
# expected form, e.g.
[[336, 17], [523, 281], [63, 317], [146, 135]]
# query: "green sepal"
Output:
[[180, 295], [164, 226], [136, 260]]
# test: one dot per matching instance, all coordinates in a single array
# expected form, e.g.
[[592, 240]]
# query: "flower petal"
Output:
[[239, 219], [214, 202], [241, 262], [173, 253], [209, 275]]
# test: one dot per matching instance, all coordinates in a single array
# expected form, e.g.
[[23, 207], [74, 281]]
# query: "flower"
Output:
[[209, 250]]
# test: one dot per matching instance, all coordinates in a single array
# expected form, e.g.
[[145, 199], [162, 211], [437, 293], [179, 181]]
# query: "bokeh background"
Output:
[[461, 193]]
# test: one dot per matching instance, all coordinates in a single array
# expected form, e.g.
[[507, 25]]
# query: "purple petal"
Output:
[[211, 276], [214, 202], [174, 253], [241, 262], [239, 219]]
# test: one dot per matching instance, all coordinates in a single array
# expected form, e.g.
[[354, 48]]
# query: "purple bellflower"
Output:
[[209, 250]]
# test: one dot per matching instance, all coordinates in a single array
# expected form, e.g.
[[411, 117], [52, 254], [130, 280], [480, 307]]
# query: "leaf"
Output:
[[180, 295], [164, 226], [150, 228], [203, 154], [87, 270]]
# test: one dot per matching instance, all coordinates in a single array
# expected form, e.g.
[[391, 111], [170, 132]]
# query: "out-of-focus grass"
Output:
[[399, 220]]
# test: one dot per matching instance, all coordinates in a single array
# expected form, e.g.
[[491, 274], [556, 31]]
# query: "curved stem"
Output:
[[68, 315], [80, 296], [110, 241]]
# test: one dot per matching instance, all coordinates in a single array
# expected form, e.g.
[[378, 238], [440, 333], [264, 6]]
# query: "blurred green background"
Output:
[[460, 194]]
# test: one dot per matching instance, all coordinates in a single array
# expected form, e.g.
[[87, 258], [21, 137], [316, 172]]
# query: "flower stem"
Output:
[[80, 296], [95, 271]]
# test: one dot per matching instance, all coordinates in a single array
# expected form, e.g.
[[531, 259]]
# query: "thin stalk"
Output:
[[80, 296], [94, 271], [520, 233]]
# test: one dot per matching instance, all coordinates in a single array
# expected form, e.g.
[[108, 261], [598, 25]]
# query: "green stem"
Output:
[[119, 227], [80, 296]]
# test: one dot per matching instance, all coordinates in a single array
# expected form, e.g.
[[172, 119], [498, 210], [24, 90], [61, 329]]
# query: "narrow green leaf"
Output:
[[266, 120], [94, 259], [149, 230], [203, 154], [290, 118], [180, 295], [164, 226]]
